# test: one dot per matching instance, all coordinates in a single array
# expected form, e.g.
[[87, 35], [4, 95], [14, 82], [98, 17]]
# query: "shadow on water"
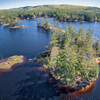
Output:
[[39, 84], [43, 31], [81, 93]]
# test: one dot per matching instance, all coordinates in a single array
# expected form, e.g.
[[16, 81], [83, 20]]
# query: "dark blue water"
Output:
[[28, 41], [30, 81]]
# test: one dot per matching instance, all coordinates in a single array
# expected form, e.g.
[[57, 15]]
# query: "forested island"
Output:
[[11, 61], [72, 55], [12, 21]]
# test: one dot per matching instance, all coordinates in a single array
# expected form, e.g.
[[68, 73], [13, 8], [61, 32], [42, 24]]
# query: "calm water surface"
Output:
[[30, 81]]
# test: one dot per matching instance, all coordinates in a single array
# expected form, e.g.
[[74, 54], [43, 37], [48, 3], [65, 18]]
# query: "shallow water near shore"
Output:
[[30, 81]]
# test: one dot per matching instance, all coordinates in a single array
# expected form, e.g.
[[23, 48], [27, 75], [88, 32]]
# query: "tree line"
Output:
[[61, 15], [12, 17]]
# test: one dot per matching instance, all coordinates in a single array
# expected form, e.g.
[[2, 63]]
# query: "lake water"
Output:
[[30, 81]]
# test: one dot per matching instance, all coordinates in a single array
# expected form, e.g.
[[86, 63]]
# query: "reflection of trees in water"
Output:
[[77, 95], [41, 86], [81, 93], [37, 85]]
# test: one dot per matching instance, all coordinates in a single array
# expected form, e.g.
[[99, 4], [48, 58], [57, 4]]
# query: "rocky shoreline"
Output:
[[11, 61], [77, 84], [49, 28], [43, 26], [6, 24], [15, 27]]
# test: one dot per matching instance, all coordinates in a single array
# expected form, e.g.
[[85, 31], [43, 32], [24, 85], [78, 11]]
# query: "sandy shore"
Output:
[[15, 27], [6, 24]]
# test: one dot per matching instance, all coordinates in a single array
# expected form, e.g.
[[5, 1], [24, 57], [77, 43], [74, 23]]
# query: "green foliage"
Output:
[[56, 38], [12, 17], [47, 61], [59, 12], [72, 52], [72, 55], [94, 71], [78, 82], [42, 21], [66, 15], [38, 21], [97, 47], [47, 23]]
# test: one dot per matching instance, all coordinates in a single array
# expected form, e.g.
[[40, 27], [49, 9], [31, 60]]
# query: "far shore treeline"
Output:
[[91, 14]]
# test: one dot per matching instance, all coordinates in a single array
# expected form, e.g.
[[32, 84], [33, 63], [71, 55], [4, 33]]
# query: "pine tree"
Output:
[[97, 47], [72, 54], [66, 38], [38, 21], [54, 57], [47, 23], [42, 21]]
